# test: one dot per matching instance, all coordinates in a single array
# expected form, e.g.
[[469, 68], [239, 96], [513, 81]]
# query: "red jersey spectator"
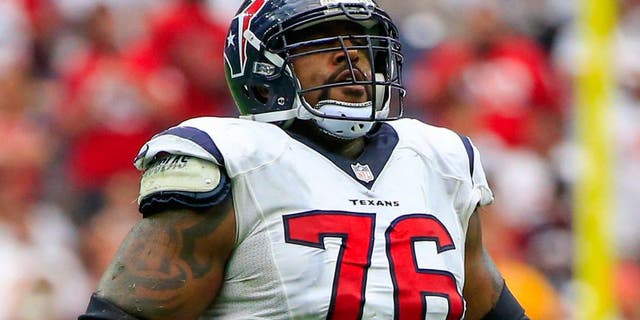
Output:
[[181, 62], [104, 113], [501, 77]]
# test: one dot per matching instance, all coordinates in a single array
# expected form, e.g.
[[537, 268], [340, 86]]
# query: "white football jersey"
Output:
[[320, 236]]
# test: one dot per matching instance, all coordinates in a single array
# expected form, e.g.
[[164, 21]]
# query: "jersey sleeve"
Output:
[[179, 140], [455, 158], [235, 146], [475, 191]]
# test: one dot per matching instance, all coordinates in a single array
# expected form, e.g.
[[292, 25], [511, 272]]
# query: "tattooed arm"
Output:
[[171, 264]]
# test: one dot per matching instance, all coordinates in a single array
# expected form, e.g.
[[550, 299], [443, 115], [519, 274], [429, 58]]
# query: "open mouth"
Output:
[[348, 76], [343, 87]]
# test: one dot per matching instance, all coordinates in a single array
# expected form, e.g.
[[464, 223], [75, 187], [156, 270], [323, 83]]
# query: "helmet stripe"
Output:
[[246, 17]]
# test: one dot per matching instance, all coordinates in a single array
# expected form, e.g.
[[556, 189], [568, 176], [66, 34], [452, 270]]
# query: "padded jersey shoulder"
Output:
[[442, 147], [448, 153], [236, 144]]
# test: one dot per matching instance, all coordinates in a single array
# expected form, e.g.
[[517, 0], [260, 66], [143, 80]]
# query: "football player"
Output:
[[319, 202]]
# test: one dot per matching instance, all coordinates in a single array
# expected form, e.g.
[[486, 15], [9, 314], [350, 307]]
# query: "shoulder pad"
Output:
[[178, 181]]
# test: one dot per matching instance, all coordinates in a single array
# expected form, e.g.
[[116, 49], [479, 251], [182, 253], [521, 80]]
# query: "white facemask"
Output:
[[344, 129]]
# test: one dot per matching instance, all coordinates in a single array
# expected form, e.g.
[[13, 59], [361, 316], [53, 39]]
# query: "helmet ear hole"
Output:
[[261, 93]]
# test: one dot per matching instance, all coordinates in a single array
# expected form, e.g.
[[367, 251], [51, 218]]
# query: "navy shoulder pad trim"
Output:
[[470, 154], [199, 137]]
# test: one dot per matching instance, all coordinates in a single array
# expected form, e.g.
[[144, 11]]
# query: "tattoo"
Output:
[[190, 237], [159, 258]]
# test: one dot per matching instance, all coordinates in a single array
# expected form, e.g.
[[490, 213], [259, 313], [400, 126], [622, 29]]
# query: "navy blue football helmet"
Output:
[[260, 50]]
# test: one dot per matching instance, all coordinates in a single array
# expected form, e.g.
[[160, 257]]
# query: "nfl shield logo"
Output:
[[363, 172]]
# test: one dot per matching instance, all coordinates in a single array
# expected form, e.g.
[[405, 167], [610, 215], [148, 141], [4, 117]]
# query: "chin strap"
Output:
[[344, 129]]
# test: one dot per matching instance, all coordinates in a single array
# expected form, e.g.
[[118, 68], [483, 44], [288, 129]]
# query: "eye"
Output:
[[315, 46], [330, 44], [325, 37], [358, 41]]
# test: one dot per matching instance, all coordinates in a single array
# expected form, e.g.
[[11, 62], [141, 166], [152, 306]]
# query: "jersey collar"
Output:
[[366, 168]]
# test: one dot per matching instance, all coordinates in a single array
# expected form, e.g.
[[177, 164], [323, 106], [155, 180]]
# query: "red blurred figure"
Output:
[[104, 114], [500, 78], [182, 63]]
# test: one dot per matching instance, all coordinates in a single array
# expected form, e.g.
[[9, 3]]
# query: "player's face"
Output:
[[333, 66]]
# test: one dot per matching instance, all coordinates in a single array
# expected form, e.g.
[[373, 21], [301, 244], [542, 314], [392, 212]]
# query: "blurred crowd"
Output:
[[84, 83]]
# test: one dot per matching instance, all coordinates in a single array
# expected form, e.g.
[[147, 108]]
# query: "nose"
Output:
[[345, 55]]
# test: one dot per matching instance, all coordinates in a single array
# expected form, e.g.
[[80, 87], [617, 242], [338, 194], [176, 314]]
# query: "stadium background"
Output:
[[83, 83]]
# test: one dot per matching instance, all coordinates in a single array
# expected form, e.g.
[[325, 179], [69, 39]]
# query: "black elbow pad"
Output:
[[102, 309], [506, 308]]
